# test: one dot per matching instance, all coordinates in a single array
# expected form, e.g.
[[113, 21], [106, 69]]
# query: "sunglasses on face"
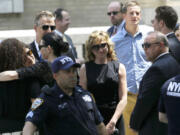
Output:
[[112, 13], [29, 52], [46, 27], [147, 45], [97, 47]]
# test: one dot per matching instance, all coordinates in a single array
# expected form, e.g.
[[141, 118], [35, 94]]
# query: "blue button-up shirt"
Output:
[[129, 51]]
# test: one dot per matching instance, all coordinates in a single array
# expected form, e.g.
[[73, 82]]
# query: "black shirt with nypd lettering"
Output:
[[170, 104], [65, 115]]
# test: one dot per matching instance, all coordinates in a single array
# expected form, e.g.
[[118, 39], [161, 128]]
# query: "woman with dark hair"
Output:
[[15, 96], [12, 56], [105, 78], [51, 46]]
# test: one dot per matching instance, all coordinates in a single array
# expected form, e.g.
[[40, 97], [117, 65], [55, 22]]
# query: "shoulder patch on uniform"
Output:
[[30, 114], [37, 102], [87, 98], [78, 88]]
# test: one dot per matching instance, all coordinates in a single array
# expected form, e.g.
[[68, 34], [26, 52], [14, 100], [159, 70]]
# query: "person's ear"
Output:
[[54, 76], [124, 15], [161, 23], [55, 21], [35, 27], [49, 48], [162, 44]]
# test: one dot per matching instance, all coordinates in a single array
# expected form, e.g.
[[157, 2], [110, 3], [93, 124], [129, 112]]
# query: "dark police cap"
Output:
[[63, 63]]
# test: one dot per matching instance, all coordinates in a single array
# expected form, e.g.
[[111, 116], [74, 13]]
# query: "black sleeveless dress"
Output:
[[103, 82]]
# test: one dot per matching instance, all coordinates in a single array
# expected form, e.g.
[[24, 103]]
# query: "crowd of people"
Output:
[[127, 84]]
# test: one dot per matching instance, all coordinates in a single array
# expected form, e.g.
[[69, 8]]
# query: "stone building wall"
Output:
[[84, 13]]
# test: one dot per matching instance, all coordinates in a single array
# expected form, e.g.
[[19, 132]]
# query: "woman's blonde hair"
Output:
[[97, 37]]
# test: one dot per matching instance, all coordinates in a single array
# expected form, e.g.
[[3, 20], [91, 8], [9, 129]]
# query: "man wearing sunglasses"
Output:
[[165, 21], [43, 23], [144, 117], [62, 21], [116, 16]]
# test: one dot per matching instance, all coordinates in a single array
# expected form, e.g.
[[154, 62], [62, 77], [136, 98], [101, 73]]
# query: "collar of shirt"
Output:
[[58, 32], [37, 48], [121, 33], [61, 94], [129, 51], [162, 54], [121, 26], [125, 33], [169, 33]]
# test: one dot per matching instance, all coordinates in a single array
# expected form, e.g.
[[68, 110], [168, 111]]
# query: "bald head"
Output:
[[114, 12], [115, 4], [154, 45]]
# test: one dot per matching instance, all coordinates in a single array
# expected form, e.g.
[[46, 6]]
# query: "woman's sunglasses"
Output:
[[97, 47]]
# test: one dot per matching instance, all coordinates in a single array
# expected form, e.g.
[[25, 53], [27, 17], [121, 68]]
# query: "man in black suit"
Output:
[[144, 118], [62, 21], [165, 21], [116, 16], [43, 23]]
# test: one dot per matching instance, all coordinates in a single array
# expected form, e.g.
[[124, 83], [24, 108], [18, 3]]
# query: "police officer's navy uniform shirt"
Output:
[[170, 104], [65, 115]]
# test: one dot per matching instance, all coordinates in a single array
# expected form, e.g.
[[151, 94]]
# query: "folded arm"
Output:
[[9, 76]]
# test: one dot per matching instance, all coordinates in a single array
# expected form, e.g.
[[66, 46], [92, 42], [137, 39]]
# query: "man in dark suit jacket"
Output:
[[174, 45], [116, 16], [43, 23], [144, 117], [165, 21], [62, 21]]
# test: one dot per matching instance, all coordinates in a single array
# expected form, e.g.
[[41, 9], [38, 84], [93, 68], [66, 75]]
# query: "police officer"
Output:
[[65, 108], [169, 105]]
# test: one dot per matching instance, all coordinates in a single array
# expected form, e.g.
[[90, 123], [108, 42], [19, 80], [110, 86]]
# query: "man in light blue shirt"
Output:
[[129, 51], [128, 47]]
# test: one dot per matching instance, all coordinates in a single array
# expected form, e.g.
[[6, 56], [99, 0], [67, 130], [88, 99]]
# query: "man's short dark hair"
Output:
[[168, 15], [58, 13]]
